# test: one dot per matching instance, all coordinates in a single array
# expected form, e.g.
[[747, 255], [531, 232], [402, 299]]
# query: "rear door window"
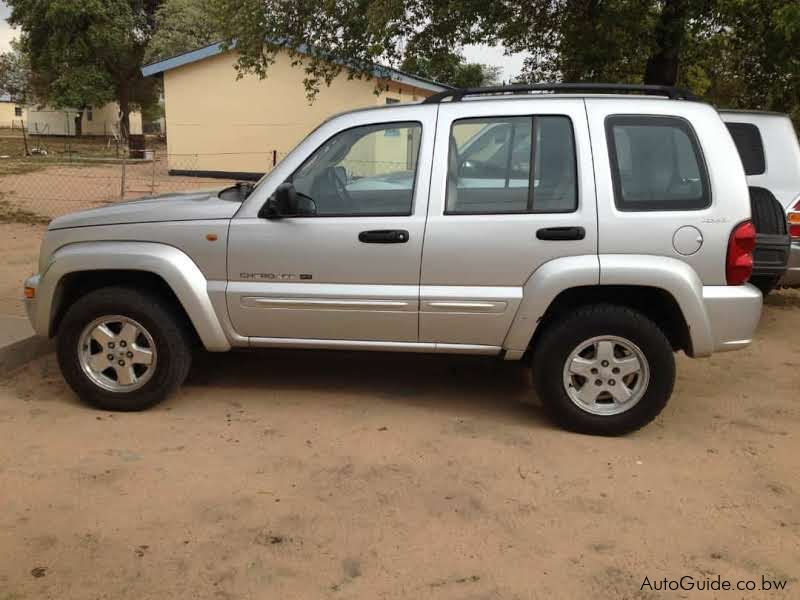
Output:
[[504, 165], [748, 142], [656, 164]]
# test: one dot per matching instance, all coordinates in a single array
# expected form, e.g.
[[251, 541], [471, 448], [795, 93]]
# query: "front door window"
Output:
[[363, 171]]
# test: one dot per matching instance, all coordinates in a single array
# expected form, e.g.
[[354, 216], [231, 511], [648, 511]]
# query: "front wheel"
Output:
[[604, 370], [123, 350]]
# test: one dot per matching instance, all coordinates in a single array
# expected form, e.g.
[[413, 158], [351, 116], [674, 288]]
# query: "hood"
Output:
[[190, 206]]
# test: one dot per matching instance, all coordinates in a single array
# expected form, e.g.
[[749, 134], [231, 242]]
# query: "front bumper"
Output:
[[792, 276], [30, 305], [733, 313]]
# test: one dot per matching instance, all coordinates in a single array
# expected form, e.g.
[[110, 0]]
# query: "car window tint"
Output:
[[556, 187], [361, 171], [656, 164], [748, 142], [489, 166]]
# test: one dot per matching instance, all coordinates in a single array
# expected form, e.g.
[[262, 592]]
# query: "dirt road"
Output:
[[320, 475]]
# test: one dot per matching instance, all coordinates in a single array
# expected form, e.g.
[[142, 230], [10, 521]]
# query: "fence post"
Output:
[[122, 182], [153, 175]]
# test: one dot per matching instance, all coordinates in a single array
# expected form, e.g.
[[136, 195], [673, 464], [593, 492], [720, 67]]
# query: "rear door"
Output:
[[511, 189]]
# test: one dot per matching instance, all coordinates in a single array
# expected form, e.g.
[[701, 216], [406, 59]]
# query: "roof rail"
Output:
[[457, 95]]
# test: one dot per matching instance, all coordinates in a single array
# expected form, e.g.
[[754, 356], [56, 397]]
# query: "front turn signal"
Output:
[[30, 293]]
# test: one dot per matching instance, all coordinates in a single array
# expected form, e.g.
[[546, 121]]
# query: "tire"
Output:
[[765, 283], [138, 386], [633, 340]]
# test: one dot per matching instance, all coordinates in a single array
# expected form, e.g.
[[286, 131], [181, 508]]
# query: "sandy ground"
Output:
[[62, 188], [59, 190], [19, 253], [322, 475]]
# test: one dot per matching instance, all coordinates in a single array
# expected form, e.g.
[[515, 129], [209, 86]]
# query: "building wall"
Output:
[[105, 119], [49, 121], [216, 123], [8, 116]]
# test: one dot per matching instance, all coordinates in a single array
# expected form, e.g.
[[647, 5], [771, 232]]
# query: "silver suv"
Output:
[[588, 230]]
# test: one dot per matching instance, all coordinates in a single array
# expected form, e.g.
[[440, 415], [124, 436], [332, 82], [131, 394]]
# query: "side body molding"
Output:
[[671, 275], [173, 266], [542, 287]]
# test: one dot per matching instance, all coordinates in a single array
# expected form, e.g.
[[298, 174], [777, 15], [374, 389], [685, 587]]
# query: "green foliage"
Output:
[[182, 25], [451, 69], [85, 53], [15, 74], [751, 60], [737, 52]]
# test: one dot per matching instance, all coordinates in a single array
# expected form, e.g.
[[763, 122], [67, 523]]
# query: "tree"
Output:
[[740, 52], [182, 25], [89, 52], [751, 60], [15, 74], [451, 69]]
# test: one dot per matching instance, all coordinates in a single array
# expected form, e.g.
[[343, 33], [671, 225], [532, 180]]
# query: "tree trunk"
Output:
[[124, 111], [79, 124], [662, 65]]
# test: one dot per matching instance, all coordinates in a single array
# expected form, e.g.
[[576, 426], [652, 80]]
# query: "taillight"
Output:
[[794, 220], [739, 264]]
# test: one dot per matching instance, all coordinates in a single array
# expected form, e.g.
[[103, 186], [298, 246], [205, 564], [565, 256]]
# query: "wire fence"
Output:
[[65, 177]]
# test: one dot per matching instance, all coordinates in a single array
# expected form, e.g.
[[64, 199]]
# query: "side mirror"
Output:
[[280, 203], [287, 202]]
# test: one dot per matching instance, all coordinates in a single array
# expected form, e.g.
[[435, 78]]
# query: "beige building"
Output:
[[102, 121], [12, 114], [218, 125]]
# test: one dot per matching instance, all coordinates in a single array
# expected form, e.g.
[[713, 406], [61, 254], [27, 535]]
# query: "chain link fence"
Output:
[[43, 178]]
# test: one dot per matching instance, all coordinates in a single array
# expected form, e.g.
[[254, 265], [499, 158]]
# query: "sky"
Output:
[[490, 55], [6, 32]]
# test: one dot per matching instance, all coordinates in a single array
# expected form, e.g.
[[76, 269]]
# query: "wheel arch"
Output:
[[656, 304], [78, 268], [666, 290]]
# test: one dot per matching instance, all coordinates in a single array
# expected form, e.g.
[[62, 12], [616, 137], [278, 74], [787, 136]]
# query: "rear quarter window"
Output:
[[656, 164], [748, 142]]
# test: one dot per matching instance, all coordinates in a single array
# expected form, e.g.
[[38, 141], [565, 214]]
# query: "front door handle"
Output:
[[557, 234], [384, 236]]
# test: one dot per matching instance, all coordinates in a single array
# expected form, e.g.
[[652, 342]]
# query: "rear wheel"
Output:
[[123, 350], [603, 370]]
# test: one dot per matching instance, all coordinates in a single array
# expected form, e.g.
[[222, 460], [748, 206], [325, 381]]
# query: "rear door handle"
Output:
[[384, 236], [558, 234]]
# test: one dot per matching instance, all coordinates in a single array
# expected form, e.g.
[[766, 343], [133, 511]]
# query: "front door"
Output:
[[512, 188], [347, 267]]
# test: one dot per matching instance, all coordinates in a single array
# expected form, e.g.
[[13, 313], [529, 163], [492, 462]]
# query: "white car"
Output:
[[770, 153]]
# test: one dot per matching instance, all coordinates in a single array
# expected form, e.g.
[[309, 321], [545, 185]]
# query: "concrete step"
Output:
[[19, 344]]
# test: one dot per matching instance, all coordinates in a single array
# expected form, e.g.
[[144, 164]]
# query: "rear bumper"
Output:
[[792, 276], [733, 313]]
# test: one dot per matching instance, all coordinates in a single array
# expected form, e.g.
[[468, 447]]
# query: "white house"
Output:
[[104, 121]]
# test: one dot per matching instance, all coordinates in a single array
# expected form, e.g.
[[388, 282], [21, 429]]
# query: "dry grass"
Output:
[[59, 150], [13, 214]]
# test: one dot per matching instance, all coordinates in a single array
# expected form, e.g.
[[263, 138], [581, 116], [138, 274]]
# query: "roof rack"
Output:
[[674, 93]]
